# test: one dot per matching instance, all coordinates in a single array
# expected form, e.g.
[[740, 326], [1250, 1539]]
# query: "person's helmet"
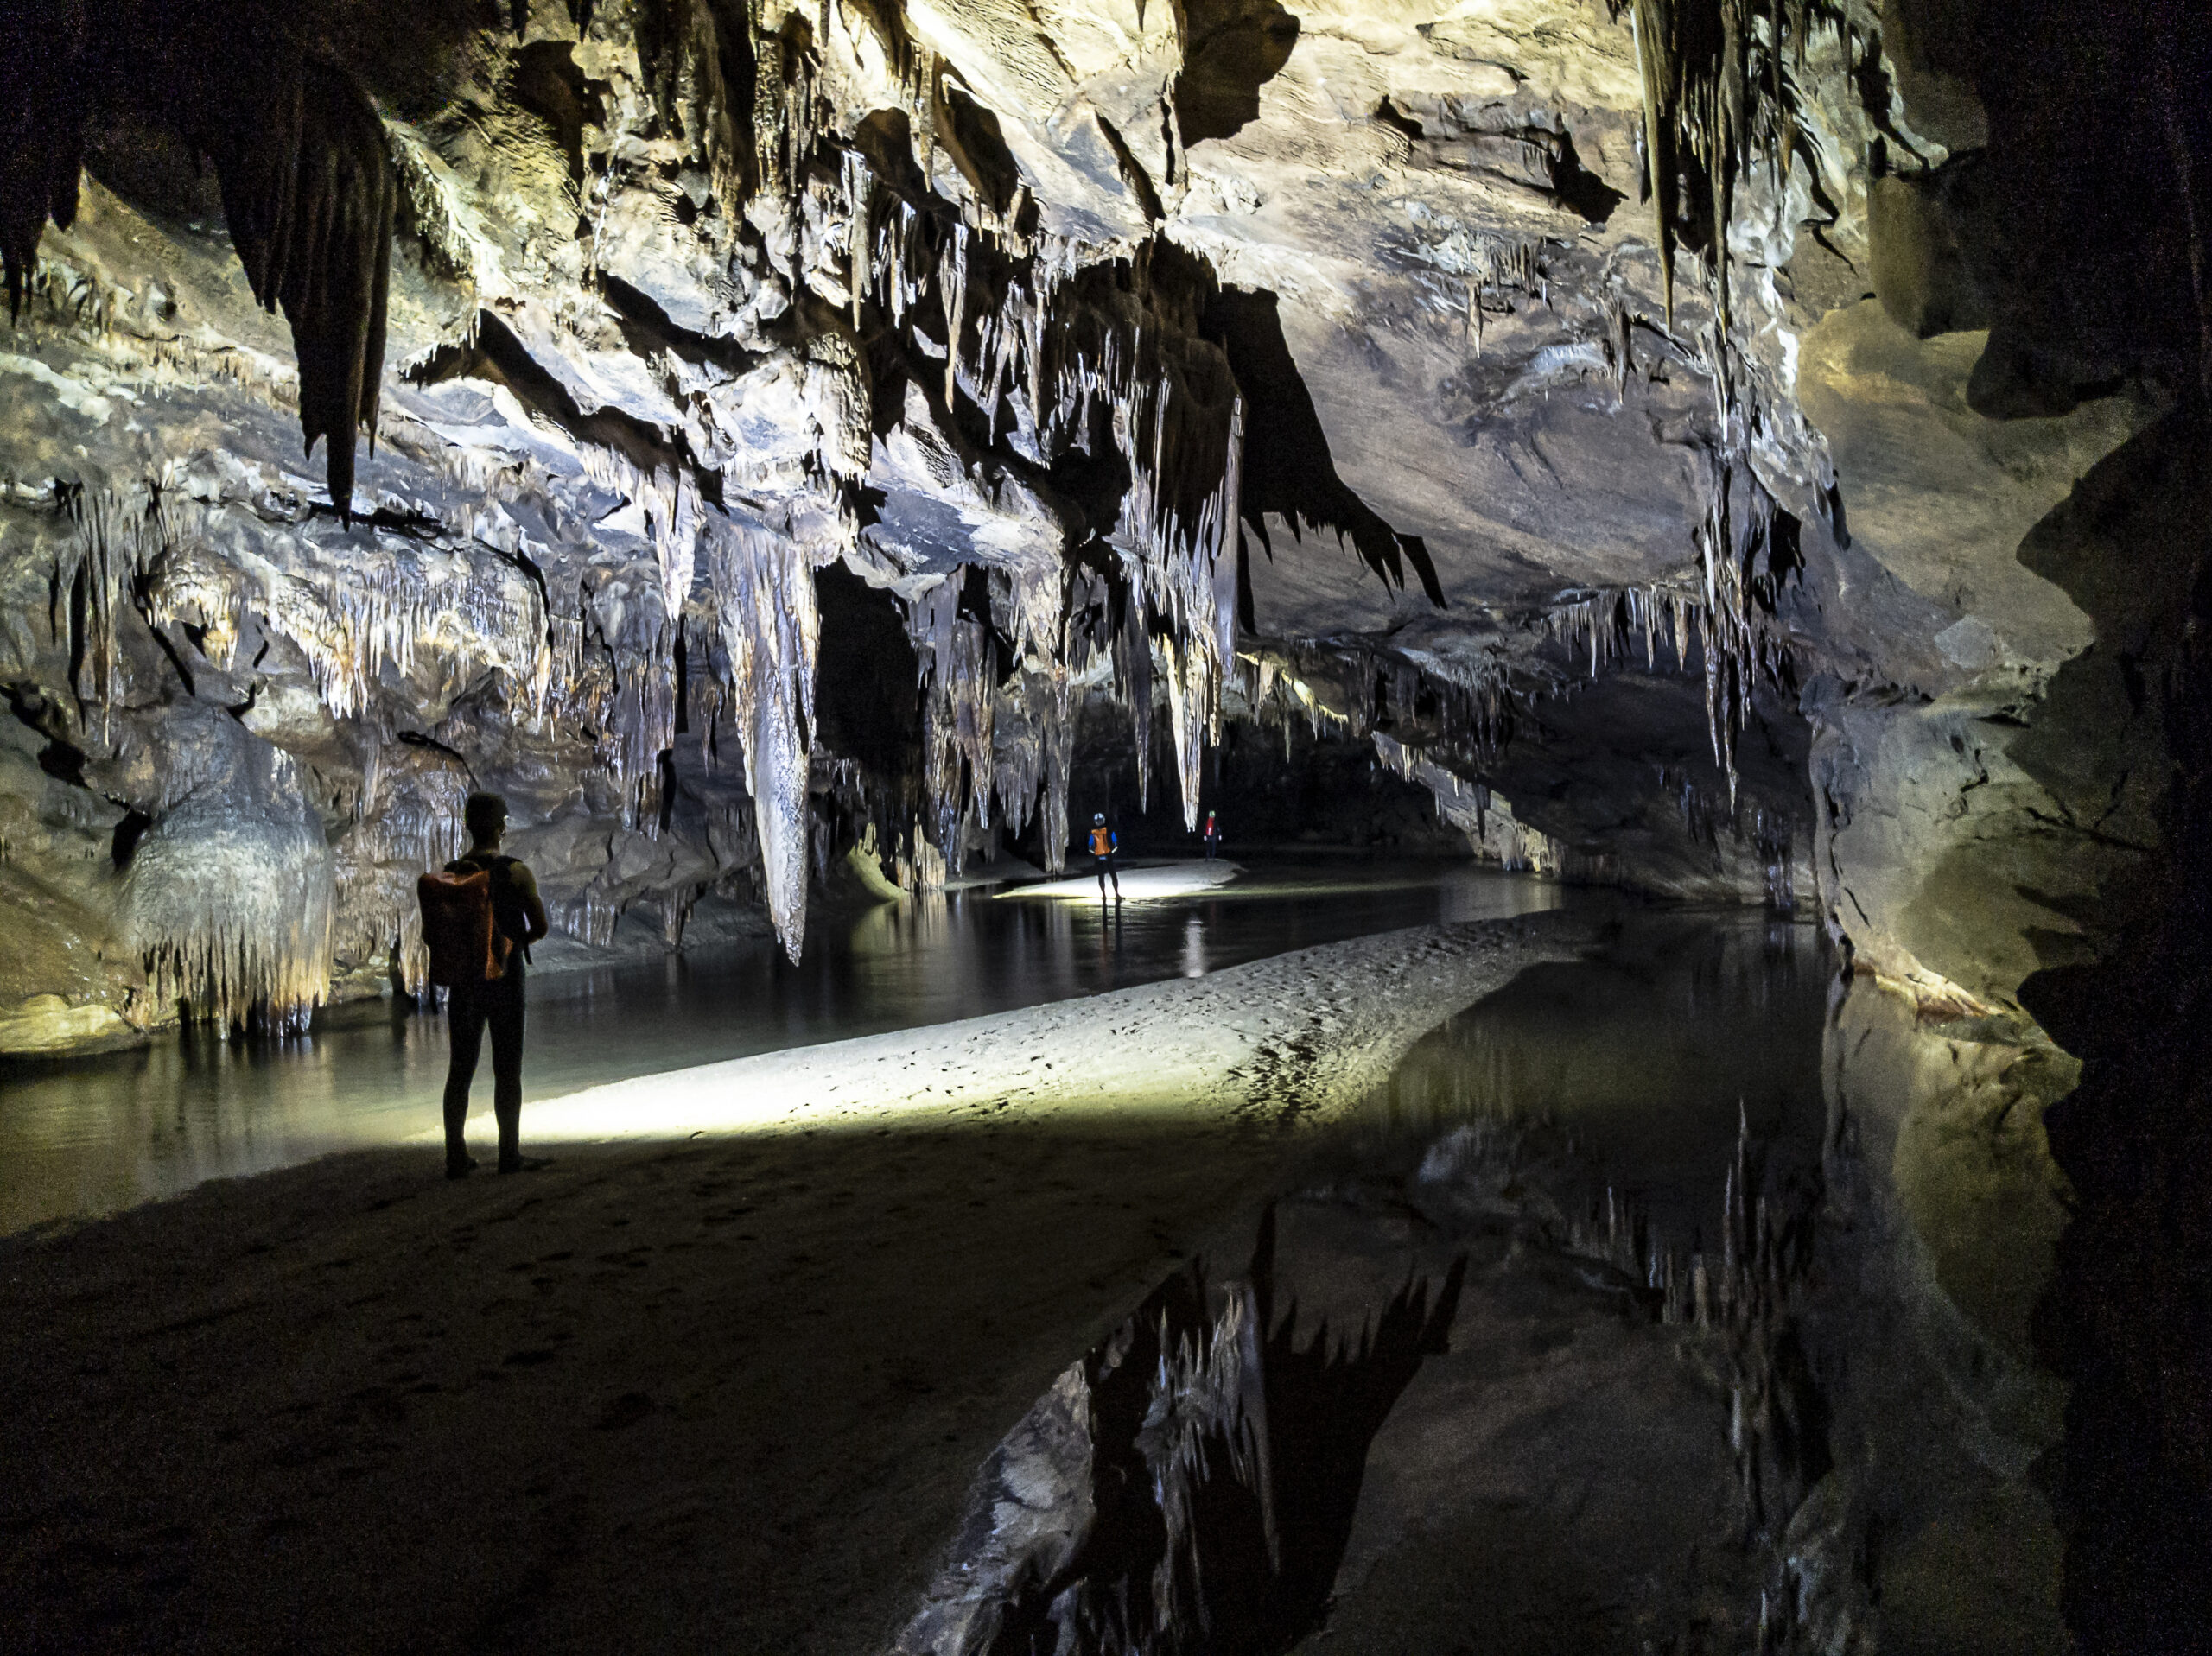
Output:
[[1098, 820]]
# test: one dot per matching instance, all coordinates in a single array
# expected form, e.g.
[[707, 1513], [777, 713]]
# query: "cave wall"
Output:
[[1647, 440]]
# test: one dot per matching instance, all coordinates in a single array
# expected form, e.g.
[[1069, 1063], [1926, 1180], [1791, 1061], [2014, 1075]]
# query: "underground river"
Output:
[[736, 1389], [87, 1137]]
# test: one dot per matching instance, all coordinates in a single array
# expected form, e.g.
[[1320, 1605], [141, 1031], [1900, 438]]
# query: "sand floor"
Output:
[[724, 1391]]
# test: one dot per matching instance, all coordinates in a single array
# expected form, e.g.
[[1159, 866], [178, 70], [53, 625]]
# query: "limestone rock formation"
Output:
[[1736, 451], [1506, 382]]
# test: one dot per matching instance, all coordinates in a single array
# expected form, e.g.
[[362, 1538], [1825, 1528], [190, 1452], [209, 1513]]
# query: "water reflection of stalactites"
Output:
[[1644, 1059], [1190, 1484]]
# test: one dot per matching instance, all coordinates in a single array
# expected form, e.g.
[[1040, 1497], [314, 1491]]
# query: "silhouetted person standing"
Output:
[[1105, 845], [518, 916], [1212, 836]]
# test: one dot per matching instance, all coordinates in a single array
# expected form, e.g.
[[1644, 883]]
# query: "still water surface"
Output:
[[99, 1134], [1629, 1071]]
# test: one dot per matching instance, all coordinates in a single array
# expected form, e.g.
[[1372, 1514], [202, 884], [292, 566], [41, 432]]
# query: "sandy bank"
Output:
[[724, 1391], [1139, 882], [1279, 1035]]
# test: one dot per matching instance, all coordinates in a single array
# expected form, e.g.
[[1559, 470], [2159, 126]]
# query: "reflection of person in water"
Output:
[[1104, 843], [495, 1004], [1213, 837]]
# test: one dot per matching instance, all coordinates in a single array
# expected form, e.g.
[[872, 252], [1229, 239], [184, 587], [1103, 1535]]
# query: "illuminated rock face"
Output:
[[1500, 383]]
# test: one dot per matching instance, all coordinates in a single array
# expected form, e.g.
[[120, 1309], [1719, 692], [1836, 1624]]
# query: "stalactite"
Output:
[[1649, 21], [407, 819], [952, 284], [590, 917], [1055, 718], [229, 898], [1701, 821], [1185, 556], [1738, 644], [640, 628], [762, 583], [1702, 103], [1776, 838], [1133, 686], [858, 182], [959, 673], [309, 195], [116, 542], [44, 95], [930, 623]]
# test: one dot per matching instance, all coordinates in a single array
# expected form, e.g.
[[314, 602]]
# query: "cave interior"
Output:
[[1741, 463]]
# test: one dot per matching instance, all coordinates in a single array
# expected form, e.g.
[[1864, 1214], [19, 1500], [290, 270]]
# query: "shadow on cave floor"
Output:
[[98, 1134]]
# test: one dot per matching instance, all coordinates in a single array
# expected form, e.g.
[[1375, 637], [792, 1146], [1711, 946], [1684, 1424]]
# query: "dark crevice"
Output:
[[1133, 174], [1580, 188], [123, 844], [498, 356], [647, 330], [1231, 49], [176, 659], [548, 83], [969, 134], [867, 699], [416, 739], [60, 758], [1222, 1464], [1398, 121], [1287, 467], [885, 139]]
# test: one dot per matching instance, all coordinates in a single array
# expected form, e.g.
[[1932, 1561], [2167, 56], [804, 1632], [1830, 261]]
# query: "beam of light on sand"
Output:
[[1138, 884], [1181, 1049], [1073, 1059]]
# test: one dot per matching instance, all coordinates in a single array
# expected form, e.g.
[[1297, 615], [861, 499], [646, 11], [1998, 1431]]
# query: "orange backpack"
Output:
[[465, 946], [1102, 842]]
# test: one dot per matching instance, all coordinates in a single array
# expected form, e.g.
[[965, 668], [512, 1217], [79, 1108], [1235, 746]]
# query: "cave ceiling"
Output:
[[1505, 375]]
